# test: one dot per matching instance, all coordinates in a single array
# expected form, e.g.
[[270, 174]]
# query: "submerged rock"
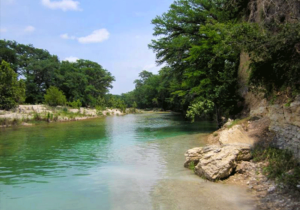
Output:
[[217, 162]]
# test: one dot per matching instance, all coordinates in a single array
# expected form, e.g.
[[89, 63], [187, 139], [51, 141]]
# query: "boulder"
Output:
[[217, 162]]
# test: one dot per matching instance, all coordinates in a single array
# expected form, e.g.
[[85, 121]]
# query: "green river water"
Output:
[[126, 162]]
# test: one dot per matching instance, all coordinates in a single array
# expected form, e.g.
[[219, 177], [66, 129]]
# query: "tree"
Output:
[[55, 97], [188, 43], [83, 80], [12, 91]]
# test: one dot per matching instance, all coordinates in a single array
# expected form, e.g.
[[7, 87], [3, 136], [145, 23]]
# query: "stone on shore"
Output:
[[217, 162]]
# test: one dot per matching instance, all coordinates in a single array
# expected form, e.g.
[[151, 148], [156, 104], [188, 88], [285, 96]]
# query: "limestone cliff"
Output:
[[284, 115]]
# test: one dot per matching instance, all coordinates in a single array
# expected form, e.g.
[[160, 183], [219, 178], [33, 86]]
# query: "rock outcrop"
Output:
[[284, 122], [217, 162], [236, 134]]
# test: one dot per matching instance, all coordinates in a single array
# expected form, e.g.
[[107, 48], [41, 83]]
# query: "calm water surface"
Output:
[[129, 162]]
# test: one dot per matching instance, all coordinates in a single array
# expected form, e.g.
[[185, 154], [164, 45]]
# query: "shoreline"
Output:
[[27, 115]]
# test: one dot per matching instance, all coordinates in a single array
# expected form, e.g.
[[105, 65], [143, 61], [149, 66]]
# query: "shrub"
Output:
[[55, 97], [37, 116], [75, 104], [192, 166]]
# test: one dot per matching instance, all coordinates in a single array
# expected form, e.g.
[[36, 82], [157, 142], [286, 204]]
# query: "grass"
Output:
[[238, 122], [192, 166], [282, 166], [288, 104]]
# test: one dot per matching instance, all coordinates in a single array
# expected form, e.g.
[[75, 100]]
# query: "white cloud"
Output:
[[29, 29], [71, 59], [96, 37], [3, 30], [63, 5], [66, 36]]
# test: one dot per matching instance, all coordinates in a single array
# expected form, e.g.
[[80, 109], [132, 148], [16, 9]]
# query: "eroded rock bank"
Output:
[[228, 156]]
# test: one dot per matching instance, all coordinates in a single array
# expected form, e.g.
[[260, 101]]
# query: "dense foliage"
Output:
[[82, 80], [12, 91]]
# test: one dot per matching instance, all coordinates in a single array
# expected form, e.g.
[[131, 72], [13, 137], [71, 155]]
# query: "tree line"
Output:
[[80, 83]]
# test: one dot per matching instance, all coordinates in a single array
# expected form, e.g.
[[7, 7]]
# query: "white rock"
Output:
[[217, 162], [271, 188]]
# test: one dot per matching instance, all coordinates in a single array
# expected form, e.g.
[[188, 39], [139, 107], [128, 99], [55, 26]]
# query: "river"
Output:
[[119, 162]]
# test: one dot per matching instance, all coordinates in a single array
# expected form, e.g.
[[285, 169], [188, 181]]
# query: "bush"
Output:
[[55, 97], [75, 104]]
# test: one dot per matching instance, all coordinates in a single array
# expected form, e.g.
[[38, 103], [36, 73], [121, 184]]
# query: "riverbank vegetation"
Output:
[[200, 43]]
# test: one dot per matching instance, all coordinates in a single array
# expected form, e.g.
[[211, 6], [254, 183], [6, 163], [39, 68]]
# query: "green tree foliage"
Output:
[[128, 98], [75, 104], [54, 97], [12, 91], [83, 80], [146, 89], [188, 43], [200, 108], [38, 66]]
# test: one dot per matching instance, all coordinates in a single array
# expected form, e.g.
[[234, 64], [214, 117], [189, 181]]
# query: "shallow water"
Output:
[[128, 162]]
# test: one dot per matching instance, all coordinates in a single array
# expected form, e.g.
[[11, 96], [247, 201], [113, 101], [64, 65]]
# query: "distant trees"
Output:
[[151, 91], [12, 91], [82, 80]]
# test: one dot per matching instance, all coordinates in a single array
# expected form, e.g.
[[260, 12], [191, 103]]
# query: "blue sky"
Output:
[[113, 33]]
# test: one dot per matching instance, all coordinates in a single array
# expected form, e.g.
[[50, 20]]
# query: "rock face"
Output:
[[234, 135], [285, 122], [217, 162]]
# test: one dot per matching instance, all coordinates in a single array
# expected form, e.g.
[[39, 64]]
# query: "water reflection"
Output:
[[49, 150]]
